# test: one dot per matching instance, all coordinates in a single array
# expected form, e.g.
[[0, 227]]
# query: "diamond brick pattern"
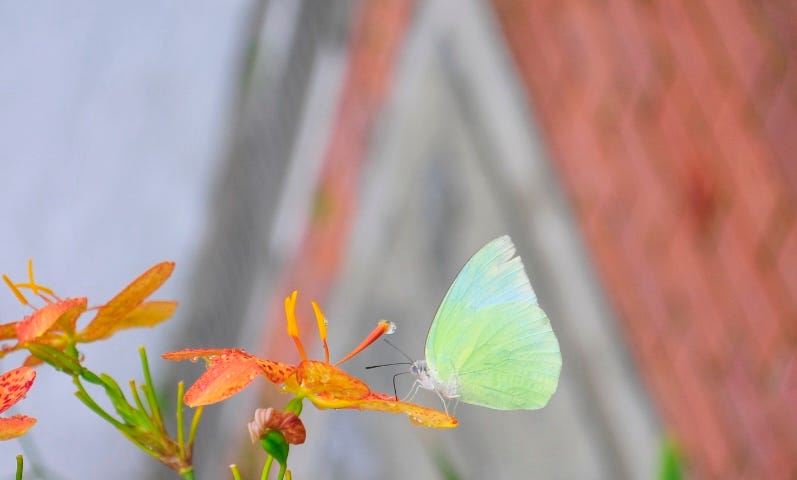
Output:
[[672, 125]]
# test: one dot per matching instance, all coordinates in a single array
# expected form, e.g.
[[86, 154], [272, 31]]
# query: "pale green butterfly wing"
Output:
[[489, 337]]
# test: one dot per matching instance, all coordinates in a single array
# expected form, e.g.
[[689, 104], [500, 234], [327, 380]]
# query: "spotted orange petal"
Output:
[[124, 302], [14, 384], [229, 371], [422, 416], [324, 380], [15, 426], [195, 354], [45, 318]]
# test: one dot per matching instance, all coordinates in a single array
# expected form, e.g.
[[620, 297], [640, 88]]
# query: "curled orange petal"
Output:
[[147, 314], [126, 300], [65, 312], [421, 416], [15, 426], [8, 331], [194, 354]]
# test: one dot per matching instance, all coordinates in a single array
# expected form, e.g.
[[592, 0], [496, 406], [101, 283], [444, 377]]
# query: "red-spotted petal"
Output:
[[222, 380], [324, 380], [210, 354], [421, 416], [14, 384]]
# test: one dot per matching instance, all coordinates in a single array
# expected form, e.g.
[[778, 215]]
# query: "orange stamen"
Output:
[[293, 327], [322, 329], [382, 328], [33, 287], [16, 291]]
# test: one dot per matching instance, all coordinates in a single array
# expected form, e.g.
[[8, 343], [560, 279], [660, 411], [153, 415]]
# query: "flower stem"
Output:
[[267, 468], [19, 467], [195, 424], [84, 397], [150, 390], [179, 414], [236, 474]]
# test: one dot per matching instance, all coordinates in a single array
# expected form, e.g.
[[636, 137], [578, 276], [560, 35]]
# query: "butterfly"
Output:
[[490, 343]]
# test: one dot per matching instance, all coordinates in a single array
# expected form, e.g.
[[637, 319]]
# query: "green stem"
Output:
[[281, 474], [188, 474], [150, 390], [84, 397], [236, 474], [195, 424], [267, 468], [19, 467], [137, 397], [179, 414]]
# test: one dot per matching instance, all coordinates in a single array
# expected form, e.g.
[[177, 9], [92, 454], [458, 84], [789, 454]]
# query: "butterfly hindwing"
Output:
[[491, 338]]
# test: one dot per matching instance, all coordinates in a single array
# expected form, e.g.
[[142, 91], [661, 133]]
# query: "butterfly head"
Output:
[[421, 372]]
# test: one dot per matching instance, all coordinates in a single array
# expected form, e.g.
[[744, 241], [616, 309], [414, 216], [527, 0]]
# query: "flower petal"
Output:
[[287, 423], [222, 380], [8, 331], [15, 426], [275, 372], [124, 302], [65, 312], [421, 416], [323, 380], [209, 354], [14, 384], [147, 314]]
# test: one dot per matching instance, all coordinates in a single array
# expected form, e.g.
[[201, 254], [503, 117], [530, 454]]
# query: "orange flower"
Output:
[[326, 386], [14, 385], [54, 324]]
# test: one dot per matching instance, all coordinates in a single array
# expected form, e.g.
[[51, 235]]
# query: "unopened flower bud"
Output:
[[287, 423]]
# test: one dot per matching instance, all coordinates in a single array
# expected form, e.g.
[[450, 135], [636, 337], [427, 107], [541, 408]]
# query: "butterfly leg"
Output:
[[413, 391], [440, 396], [456, 403]]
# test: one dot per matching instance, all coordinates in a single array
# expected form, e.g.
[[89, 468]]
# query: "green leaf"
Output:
[[120, 403], [55, 357]]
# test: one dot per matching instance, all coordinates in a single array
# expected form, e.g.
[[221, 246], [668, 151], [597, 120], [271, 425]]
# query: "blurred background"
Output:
[[639, 153]]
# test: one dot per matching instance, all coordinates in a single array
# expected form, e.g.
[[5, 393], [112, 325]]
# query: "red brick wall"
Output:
[[673, 125]]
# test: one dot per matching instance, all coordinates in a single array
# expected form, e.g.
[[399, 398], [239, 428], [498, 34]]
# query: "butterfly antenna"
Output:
[[395, 390], [399, 350], [387, 365]]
